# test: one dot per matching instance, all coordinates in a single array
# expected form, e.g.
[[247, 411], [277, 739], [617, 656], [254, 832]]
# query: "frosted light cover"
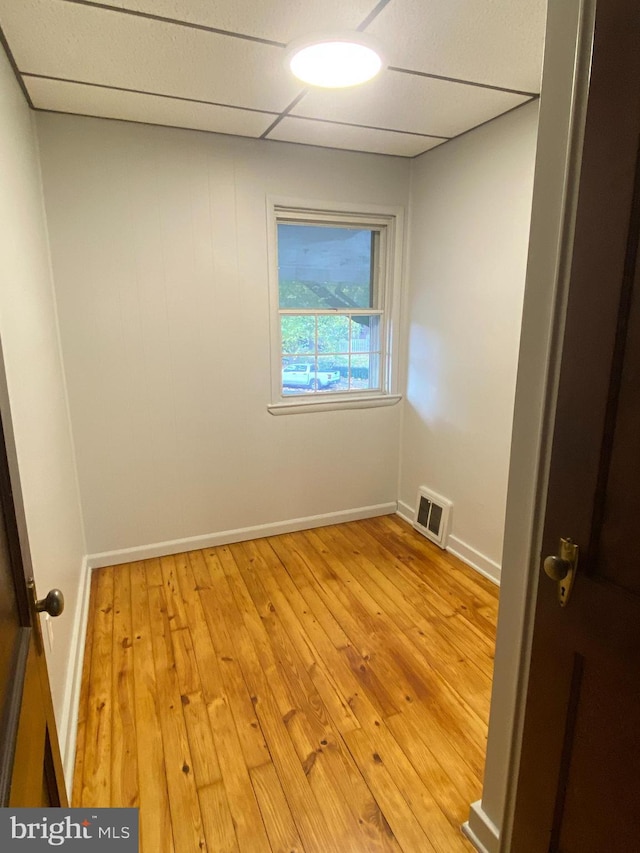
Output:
[[335, 64]]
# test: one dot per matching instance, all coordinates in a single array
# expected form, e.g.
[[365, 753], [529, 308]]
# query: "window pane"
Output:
[[337, 363], [303, 375], [365, 334], [364, 372], [326, 267], [298, 333], [333, 333], [296, 374]]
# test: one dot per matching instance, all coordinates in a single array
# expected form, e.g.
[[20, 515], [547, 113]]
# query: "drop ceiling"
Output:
[[217, 65]]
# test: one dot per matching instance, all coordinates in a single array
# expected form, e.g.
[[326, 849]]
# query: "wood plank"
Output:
[[418, 796], [249, 634], [309, 814], [350, 689], [426, 620], [430, 647], [96, 780], [218, 823], [215, 600], [294, 555], [186, 820], [153, 572], [336, 704], [279, 822], [206, 660], [432, 595], [287, 551], [241, 799], [185, 661], [479, 594], [333, 777], [451, 783], [247, 820], [206, 767], [124, 756], [327, 690], [397, 660], [171, 567], [428, 576], [156, 833], [399, 815]]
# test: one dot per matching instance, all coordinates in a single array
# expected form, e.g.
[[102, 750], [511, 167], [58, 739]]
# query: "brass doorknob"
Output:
[[561, 568], [556, 568], [53, 604]]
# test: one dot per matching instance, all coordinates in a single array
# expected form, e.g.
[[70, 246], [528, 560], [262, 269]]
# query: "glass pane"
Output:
[[338, 364], [333, 333], [326, 267], [302, 375], [364, 372], [298, 333], [297, 374], [365, 334]]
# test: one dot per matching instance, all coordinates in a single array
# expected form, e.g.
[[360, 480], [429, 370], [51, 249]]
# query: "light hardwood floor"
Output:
[[324, 691]]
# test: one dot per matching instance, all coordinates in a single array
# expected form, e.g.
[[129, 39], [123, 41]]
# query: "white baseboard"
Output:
[[71, 706], [482, 564], [481, 830], [406, 512], [242, 534]]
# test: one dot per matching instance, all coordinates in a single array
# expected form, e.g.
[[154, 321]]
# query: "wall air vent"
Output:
[[432, 516]]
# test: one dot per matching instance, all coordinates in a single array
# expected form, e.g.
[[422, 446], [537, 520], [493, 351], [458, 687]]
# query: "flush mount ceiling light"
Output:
[[334, 61]]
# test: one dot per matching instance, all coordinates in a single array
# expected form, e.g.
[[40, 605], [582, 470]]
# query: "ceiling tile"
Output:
[[498, 42], [131, 106], [279, 20], [396, 101], [88, 44], [310, 132]]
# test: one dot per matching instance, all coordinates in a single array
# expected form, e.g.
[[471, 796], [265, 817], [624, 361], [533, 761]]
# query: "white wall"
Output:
[[28, 330], [470, 213], [159, 249]]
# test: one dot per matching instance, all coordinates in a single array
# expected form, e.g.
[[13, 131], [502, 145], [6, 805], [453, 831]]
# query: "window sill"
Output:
[[328, 405]]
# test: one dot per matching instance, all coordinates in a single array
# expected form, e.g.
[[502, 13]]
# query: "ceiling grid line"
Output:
[[370, 17], [218, 67], [294, 103], [147, 92], [14, 67], [235, 135], [458, 80], [488, 121], [177, 22], [373, 14], [373, 127]]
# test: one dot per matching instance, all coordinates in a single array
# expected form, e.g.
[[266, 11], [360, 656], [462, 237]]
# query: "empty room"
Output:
[[282, 292]]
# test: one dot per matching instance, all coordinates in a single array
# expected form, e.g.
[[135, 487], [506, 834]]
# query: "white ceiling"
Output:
[[217, 65]]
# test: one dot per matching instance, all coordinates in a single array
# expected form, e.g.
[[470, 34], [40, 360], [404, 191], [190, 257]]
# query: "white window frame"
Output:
[[390, 221]]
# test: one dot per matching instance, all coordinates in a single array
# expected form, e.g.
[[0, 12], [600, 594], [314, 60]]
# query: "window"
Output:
[[332, 302]]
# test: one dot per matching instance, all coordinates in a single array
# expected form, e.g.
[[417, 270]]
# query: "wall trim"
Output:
[[478, 561], [71, 704], [487, 567], [406, 512], [481, 830], [242, 534]]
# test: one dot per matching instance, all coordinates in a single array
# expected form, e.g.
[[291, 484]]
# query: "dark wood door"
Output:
[[578, 788], [30, 764]]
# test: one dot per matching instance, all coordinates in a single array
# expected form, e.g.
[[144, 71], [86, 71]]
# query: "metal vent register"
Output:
[[432, 516]]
